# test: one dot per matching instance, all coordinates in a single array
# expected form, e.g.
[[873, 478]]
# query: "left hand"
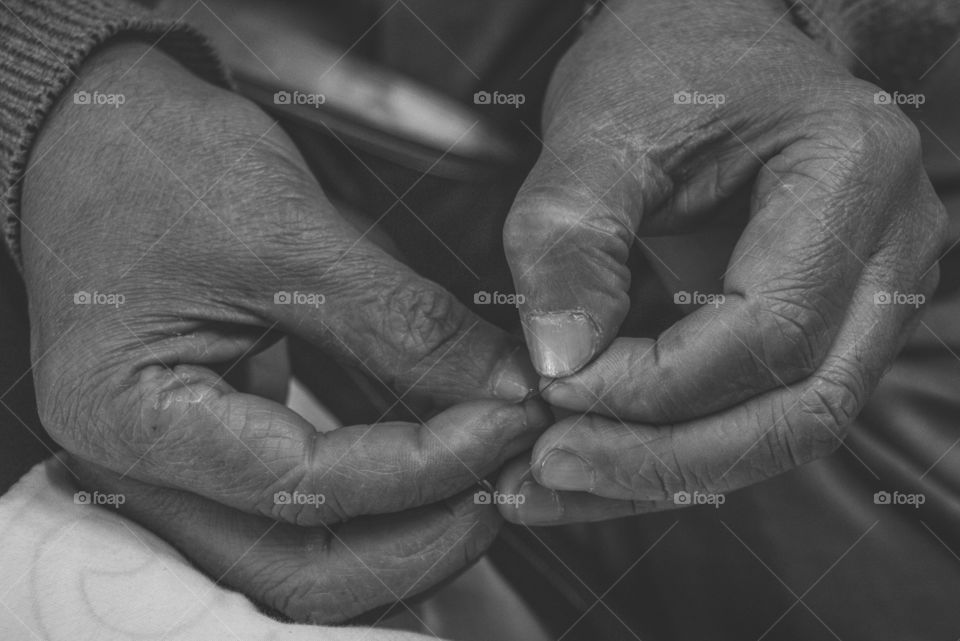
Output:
[[660, 116], [191, 219]]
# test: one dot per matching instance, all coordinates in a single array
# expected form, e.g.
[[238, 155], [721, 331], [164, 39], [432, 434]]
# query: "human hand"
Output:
[[661, 115], [157, 235]]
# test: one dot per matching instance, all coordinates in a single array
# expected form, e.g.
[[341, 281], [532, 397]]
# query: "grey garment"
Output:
[[889, 42], [42, 46]]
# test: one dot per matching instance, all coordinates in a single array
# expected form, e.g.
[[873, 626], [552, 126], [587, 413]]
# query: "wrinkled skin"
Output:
[[192, 204], [840, 211]]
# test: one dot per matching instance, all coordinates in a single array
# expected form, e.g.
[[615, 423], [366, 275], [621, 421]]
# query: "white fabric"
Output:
[[77, 572]]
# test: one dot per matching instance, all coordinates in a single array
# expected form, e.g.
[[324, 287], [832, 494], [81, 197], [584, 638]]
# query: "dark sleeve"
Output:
[[890, 42], [42, 45]]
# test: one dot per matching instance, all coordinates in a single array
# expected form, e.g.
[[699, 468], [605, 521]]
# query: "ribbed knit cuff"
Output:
[[42, 46], [889, 42]]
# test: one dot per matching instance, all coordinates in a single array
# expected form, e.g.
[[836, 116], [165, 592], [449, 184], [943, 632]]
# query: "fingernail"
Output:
[[538, 415], [560, 343], [568, 395], [515, 379], [539, 504], [562, 470]]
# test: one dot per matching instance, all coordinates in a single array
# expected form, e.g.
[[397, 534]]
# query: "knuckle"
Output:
[[897, 134], [310, 481], [299, 598], [315, 594], [418, 320], [862, 130], [479, 448], [827, 407], [666, 396], [786, 442], [642, 468], [791, 336]]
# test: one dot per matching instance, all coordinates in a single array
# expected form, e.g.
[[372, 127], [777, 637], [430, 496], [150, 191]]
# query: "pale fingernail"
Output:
[[539, 504], [515, 379], [560, 343], [562, 470], [568, 395]]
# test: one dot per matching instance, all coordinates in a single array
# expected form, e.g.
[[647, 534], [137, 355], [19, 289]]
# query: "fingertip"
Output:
[[511, 477], [570, 395], [537, 414], [538, 505], [469, 505], [562, 469], [524, 500], [514, 377]]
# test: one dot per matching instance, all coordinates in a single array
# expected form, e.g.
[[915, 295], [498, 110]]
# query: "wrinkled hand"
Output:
[[662, 115], [182, 214]]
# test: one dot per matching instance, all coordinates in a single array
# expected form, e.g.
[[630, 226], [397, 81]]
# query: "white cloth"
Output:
[[77, 572]]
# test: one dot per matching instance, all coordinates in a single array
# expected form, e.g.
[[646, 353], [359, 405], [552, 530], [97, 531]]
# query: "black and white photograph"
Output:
[[480, 320]]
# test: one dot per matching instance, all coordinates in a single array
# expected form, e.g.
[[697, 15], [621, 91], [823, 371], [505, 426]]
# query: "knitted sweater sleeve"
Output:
[[42, 45]]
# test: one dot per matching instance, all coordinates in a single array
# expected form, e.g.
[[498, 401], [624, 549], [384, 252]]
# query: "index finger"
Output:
[[770, 434], [786, 293], [313, 575], [186, 428]]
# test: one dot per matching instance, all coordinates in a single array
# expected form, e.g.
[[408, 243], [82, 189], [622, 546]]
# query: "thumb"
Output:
[[567, 240], [348, 297]]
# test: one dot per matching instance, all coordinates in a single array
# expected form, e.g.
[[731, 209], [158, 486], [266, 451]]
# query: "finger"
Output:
[[185, 426], [786, 292], [765, 436], [346, 295], [542, 506], [312, 575], [567, 240]]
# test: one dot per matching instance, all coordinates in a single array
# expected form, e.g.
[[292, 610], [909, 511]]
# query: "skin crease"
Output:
[[106, 395], [840, 209], [134, 393]]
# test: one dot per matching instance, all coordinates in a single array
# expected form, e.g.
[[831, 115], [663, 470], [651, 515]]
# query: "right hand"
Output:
[[838, 213], [182, 213]]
